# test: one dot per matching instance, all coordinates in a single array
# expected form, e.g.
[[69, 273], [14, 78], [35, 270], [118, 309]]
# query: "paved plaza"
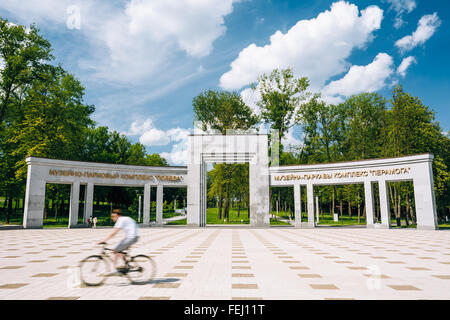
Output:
[[236, 263]]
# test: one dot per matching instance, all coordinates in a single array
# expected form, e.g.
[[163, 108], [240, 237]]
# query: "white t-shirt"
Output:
[[128, 226]]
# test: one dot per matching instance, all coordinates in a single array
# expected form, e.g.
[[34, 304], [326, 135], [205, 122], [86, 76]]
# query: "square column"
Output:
[[146, 208], [425, 199], [297, 206], [384, 206], [194, 210], [88, 202], [74, 204], [368, 196], [259, 196], [159, 204], [33, 214], [310, 196]]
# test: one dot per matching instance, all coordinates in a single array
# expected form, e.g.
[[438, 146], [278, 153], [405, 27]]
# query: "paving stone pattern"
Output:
[[235, 264]]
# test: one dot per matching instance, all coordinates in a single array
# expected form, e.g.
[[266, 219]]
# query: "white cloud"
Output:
[[132, 40], [194, 25], [179, 153], [359, 79], [251, 97], [290, 140], [401, 7], [150, 136], [306, 47], [139, 128], [426, 28], [335, 100], [406, 63], [154, 137]]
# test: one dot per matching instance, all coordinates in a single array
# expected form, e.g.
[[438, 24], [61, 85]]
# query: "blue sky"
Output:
[[142, 62]]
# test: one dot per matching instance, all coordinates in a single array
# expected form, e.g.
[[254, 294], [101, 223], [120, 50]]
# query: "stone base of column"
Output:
[[33, 227], [81, 225], [192, 225], [427, 228], [370, 226], [306, 225], [381, 226], [77, 226]]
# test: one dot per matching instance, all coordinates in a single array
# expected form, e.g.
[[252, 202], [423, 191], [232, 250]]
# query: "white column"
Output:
[[310, 196], [146, 209], [424, 198], [88, 201], [297, 206], [139, 208], [368, 196], [384, 205], [74, 204], [194, 183], [317, 209], [159, 204], [33, 213]]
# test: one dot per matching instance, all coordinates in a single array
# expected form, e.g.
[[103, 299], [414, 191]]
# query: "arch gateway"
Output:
[[204, 149]]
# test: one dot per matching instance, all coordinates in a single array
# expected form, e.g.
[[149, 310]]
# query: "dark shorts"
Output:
[[125, 244]]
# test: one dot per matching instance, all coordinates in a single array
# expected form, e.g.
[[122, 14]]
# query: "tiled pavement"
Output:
[[236, 263]]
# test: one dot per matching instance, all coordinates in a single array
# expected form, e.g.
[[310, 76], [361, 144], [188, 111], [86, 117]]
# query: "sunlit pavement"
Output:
[[235, 263]]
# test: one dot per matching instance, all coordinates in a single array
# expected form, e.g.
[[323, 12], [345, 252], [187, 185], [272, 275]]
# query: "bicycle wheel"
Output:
[[94, 270], [141, 269]]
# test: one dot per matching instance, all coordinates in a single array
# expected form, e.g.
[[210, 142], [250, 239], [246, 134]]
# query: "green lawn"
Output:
[[177, 222], [212, 217], [102, 212]]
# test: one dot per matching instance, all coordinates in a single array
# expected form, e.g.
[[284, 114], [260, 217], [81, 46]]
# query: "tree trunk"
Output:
[[399, 223], [332, 202], [220, 204], [56, 209], [239, 207], [349, 210], [9, 211], [408, 204], [359, 212], [227, 204], [392, 196]]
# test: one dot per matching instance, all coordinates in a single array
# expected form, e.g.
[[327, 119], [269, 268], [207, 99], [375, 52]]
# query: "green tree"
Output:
[[55, 120], [364, 127], [282, 98], [222, 111], [26, 56]]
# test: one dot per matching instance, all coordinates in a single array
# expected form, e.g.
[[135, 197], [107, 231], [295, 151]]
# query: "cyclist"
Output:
[[130, 228]]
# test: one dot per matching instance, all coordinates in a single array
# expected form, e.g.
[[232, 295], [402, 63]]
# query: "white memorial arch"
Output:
[[204, 149]]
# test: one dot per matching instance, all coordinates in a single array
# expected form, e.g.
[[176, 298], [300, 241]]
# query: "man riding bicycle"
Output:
[[130, 228]]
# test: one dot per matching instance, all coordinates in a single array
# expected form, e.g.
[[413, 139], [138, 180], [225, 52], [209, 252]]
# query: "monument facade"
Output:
[[252, 149]]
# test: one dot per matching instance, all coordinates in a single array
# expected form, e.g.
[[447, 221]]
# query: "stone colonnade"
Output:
[[417, 168], [42, 171]]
